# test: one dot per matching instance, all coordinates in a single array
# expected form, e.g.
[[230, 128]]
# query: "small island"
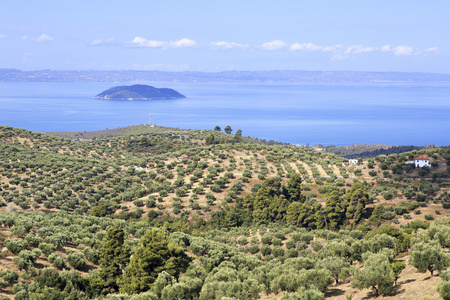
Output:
[[139, 92]]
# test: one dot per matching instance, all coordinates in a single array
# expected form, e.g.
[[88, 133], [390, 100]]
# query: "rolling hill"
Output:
[[258, 219]]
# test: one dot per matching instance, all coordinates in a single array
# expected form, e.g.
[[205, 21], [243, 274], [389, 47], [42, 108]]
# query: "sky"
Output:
[[214, 36]]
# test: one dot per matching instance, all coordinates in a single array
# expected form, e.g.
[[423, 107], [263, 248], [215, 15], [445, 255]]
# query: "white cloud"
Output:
[[228, 45], [274, 45], [431, 50], [402, 50], [339, 56], [143, 42], [332, 48], [339, 52], [305, 46], [386, 48], [101, 42], [44, 38], [182, 43], [25, 37], [359, 49], [2, 35]]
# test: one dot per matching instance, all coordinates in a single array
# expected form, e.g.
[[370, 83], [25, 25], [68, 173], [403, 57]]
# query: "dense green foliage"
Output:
[[154, 256], [115, 256], [364, 151], [173, 214]]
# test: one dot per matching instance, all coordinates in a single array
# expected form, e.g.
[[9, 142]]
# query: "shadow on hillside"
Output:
[[39, 265], [396, 291], [332, 292], [406, 281], [370, 295], [88, 268]]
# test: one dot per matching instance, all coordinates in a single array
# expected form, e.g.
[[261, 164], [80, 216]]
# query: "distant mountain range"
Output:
[[13, 75]]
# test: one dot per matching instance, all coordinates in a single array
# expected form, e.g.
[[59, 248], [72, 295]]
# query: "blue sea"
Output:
[[338, 114]]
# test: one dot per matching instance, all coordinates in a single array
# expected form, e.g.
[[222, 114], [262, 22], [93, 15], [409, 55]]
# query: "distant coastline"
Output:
[[274, 76]]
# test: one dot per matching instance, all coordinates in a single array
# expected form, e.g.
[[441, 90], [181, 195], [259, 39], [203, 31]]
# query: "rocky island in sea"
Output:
[[139, 92]]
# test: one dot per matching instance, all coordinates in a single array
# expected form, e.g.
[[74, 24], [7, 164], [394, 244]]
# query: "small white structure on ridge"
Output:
[[352, 161], [421, 161]]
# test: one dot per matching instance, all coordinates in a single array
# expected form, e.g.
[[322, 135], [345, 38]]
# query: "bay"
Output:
[[339, 114]]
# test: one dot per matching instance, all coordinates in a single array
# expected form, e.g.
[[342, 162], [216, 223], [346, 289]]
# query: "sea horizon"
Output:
[[307, 113]]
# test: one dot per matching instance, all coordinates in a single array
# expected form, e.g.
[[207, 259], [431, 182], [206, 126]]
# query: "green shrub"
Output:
[[373, 173], [290, 244], [277, 242], [138, 202], [316, 245], [58, 261], [444, 289], [280, 235], [242, 241], [15, 245], [429, 217], [266, 250], [76, 260], [277, 251], [150, 203], [253, 249], [47, 249], [400, 210], [8, 278], [93, 255], [292, 253], [266, 239]]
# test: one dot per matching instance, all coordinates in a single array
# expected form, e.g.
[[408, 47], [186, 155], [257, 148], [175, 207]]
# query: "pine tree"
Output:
[[293, 189], [114, 257], [264, 197], [356, 201], [155, 255], [333, 210]]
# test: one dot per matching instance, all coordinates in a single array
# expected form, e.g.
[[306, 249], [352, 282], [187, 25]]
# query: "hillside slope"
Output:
[[251, 215]]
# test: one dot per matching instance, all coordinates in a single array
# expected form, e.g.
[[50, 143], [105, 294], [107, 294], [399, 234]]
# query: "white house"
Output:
[[184, 157], [421, 161], [352, 161]]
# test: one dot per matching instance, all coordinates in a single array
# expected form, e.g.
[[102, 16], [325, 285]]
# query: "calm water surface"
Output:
[[337, 114]]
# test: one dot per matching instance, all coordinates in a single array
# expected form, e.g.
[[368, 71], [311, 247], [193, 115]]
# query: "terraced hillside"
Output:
[[258, 219]]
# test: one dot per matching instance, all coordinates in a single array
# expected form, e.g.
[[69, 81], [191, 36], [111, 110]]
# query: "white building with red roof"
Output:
[[184, 157], [421, 161]]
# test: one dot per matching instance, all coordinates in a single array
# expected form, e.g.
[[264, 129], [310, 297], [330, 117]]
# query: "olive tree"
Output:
[[429, 256], [376, 274]]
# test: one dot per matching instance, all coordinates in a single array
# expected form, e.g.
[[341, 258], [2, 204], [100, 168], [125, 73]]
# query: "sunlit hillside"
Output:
[[258, 219]]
